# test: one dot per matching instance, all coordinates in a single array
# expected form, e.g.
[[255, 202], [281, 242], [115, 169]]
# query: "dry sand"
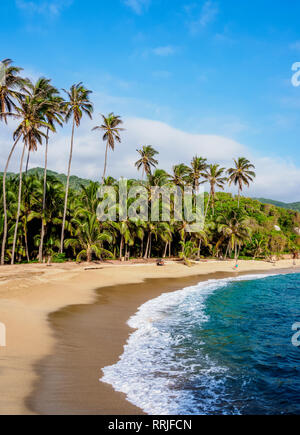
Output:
[[30, 293]]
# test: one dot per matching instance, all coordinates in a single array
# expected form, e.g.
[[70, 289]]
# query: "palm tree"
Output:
[[180, 175], [31, 113], [233, 227], [78, 103], [54, 115], [51, 214], [198, 166], [147, 159], [188, 252], [11, 83], [10, 86], [89, 239], [159, 178], [111, 130], [241, 174], [214, 176]]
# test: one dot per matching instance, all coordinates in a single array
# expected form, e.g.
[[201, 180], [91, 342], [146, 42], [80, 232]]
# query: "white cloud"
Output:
[[44, 7], [138, 6], [166, 50], [208, 14], [276, 178]]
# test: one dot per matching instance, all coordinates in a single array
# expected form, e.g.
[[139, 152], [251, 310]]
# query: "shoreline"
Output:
[[29, 294]]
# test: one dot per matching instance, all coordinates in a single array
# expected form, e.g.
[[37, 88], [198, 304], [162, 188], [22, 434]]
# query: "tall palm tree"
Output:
[[111, 130], [53, 113], [198, 166], [31, 113], [78, 103], [214, 175], [241, 174], [147, 160], [11, 86]]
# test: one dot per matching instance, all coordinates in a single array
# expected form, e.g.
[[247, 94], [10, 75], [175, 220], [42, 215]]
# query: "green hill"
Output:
[[290, 206], [75, 182]]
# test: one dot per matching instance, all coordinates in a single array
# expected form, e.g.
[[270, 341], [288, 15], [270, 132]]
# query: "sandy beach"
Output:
[[66, 322]]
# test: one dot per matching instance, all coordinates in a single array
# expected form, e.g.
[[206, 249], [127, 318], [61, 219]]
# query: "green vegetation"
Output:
[[290, 206], [75, 182], [45, 215], [244, 232]]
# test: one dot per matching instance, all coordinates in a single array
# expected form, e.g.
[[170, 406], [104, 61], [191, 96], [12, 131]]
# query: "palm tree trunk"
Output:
[[199, 248], [147, 247], [27, 161], [4, 201], [105, 163], [235, 252], [165, 251], [19, 206], [67, 191], [226, 253], [26, 244], [142, 247], [207, 205], [239, 195], [121, 247], [170, 250], [44, 200]]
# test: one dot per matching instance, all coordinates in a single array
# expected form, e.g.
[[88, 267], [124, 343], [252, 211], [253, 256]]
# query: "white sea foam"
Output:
[[158, 359]]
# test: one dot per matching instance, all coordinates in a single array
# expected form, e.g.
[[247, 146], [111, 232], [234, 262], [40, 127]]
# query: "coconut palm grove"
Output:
[[47, 218]]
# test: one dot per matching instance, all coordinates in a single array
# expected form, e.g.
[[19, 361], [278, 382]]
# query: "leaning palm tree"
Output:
[[214, 175], [198, 166], [147, 160], [11, 86], [78, 103], [241, 174], [111, 130]]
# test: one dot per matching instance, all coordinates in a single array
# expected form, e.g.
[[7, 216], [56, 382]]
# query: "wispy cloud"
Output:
[[207, 15], [138, 6], [295, 46], [166, 50], [44, 7], [161, 74]]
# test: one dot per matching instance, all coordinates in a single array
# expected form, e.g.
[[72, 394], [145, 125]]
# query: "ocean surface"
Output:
[[220, 347]]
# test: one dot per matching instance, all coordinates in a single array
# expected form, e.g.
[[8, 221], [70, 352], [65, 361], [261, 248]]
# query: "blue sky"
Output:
[[207, 69]]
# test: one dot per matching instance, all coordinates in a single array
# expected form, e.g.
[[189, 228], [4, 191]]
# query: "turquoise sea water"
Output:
[[220, 347]]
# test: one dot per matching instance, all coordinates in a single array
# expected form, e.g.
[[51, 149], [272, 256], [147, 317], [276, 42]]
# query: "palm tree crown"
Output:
[[147, 159], [180, 174], [198, 166], [241, 174], [214, 175], [10, 86], [78, 103], [111, 129]]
